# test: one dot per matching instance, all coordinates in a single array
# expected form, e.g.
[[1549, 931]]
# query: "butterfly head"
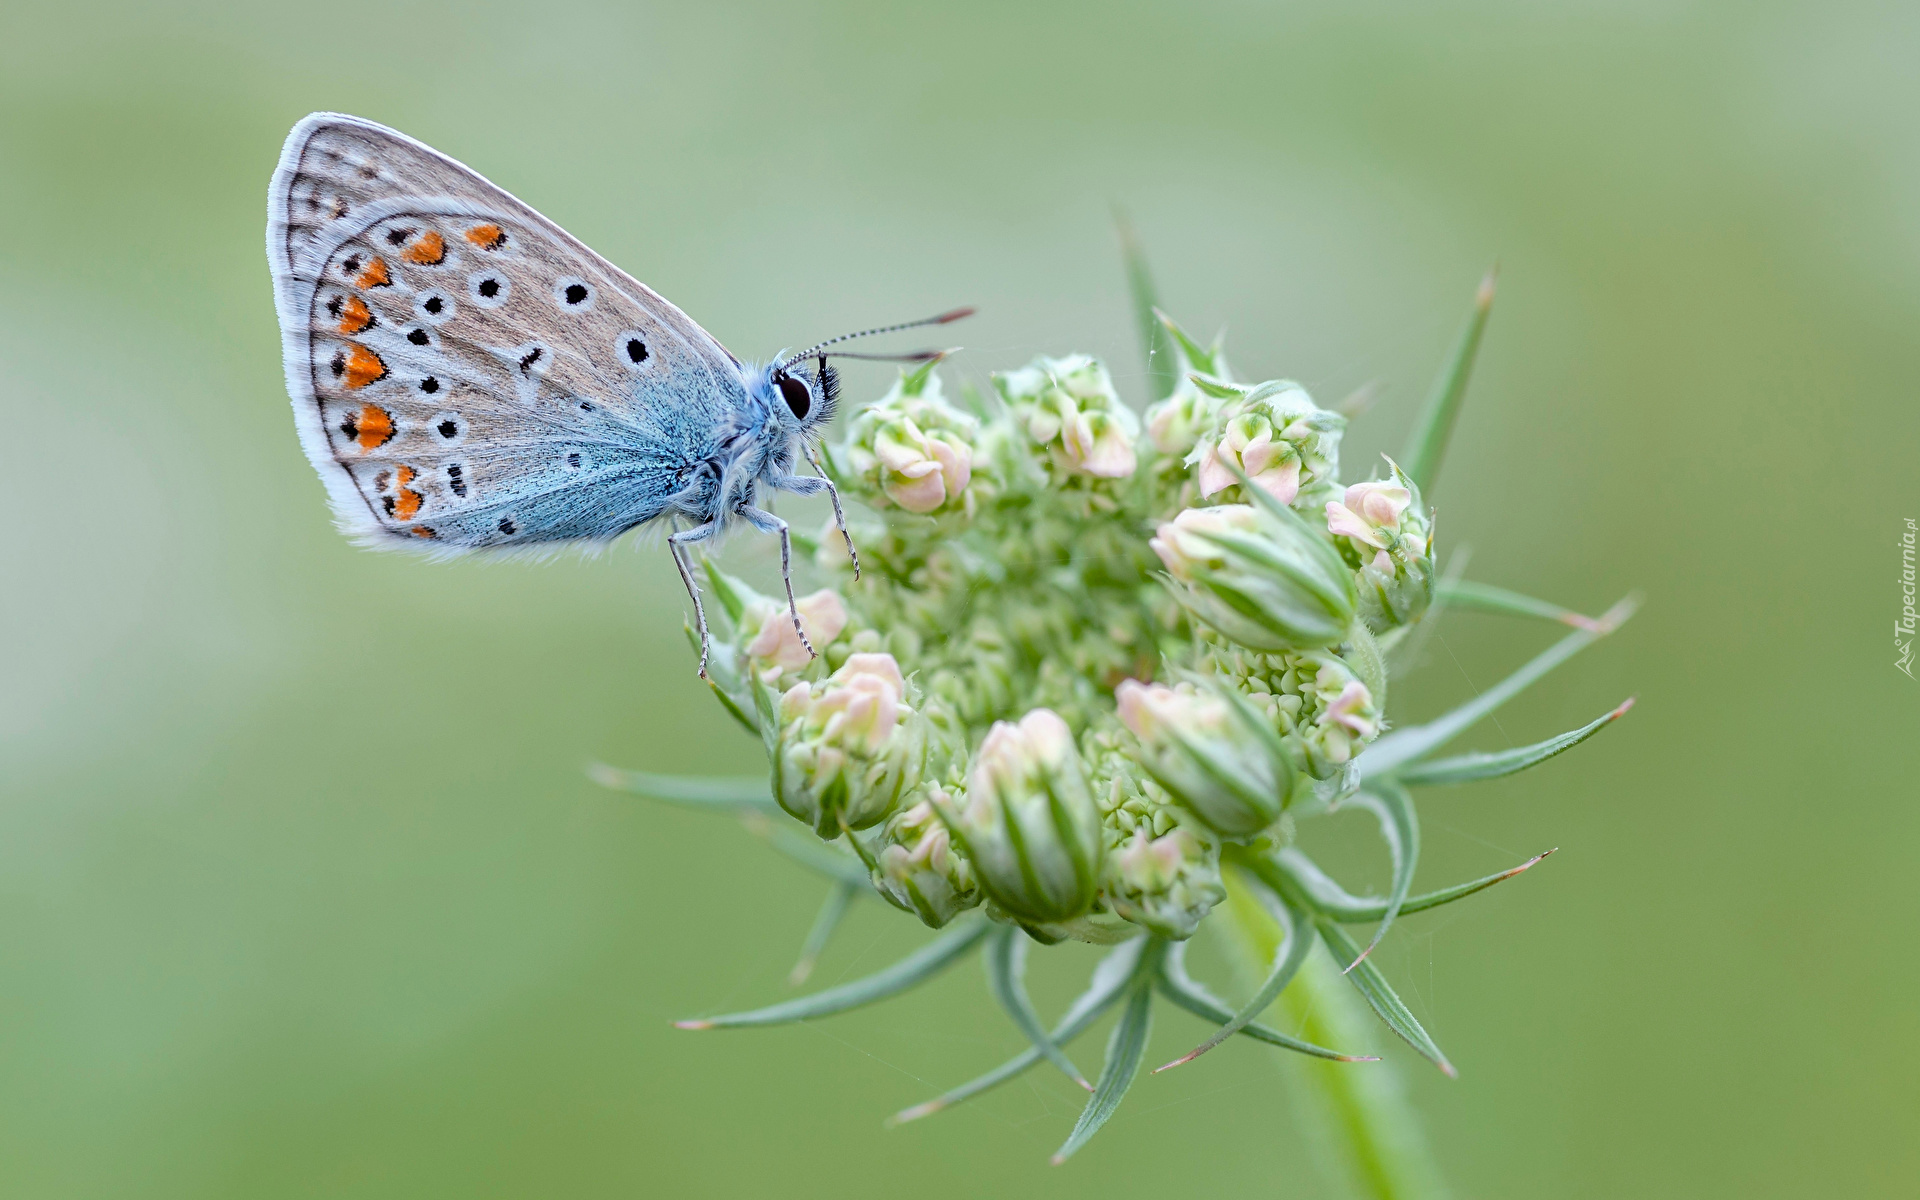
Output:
[[802, 401]]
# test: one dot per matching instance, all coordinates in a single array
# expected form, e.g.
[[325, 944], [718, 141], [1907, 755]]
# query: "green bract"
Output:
[[1093, 677]]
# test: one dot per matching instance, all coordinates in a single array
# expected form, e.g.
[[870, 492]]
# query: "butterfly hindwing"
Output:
[[465, 374]]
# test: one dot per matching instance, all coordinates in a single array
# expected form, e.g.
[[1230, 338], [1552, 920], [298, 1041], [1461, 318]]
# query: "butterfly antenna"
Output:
[[813, 351], [916, 356]]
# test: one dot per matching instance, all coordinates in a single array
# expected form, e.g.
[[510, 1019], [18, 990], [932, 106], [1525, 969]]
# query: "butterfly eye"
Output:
[[798, 396]]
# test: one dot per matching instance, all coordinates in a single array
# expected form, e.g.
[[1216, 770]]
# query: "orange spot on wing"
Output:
[[422, 531], [355, 316], [487, 237], [374, 276], [363, 367], [406, 501], [429, 250], [373, 427]]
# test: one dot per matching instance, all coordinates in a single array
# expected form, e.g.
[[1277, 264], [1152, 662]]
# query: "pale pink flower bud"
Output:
[[1028, 822], [1098, 445], [1168, 883], [918, 868], [861, 703], [1176, 422], [921, 471], [1371, 512], [1352, 709], [1152, 709], [1248, 443], [1183, 543], [1213, 755], [850, 748], [778, 644]]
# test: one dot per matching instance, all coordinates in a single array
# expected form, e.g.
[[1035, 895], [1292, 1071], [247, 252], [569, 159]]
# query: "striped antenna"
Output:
[[811, 351]]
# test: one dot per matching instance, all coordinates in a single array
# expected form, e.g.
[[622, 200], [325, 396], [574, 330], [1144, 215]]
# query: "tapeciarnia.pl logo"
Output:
[[1903, 625]]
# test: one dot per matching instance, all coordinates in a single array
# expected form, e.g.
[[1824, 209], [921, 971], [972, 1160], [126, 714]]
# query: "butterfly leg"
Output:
[[766, 522], [676, 545], [839, 517]]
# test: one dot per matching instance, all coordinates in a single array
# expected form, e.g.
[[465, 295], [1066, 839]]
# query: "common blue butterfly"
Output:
[[467, 377]]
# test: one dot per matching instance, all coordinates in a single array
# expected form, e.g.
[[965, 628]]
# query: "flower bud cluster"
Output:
[[1278, 438], [917, 867], [1315, 700], [1168, 884], [1384, 532], [848, 749], [1068, 407], [912, 449]]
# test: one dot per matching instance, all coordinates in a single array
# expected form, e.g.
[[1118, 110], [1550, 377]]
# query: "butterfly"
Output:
[[469, 378]]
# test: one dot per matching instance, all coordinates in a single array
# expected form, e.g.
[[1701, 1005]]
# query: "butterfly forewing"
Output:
[[466, 374]]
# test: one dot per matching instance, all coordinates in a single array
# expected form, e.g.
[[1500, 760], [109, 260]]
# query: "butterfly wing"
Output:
[[466, 375]]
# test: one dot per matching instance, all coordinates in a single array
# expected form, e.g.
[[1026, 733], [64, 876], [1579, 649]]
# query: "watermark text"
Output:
[[1903, 625]]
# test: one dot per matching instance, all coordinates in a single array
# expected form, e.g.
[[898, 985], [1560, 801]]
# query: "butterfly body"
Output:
[[467, 377]]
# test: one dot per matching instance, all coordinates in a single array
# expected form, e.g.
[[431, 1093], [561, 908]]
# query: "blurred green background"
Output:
[[303, 891]]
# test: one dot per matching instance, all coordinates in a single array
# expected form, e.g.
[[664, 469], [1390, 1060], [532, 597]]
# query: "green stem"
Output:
[[1367, 1128]]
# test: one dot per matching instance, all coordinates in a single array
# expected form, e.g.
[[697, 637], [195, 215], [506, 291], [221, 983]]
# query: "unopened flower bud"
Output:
[[918, 867], [913, 449], [1168, 884], [1260, 576], [1383, 529], [1212, 753], [1028, 822], [1068, 406], [1278, 438], [848, 749], [1345, 716], [1176, 423], [776, 647]]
